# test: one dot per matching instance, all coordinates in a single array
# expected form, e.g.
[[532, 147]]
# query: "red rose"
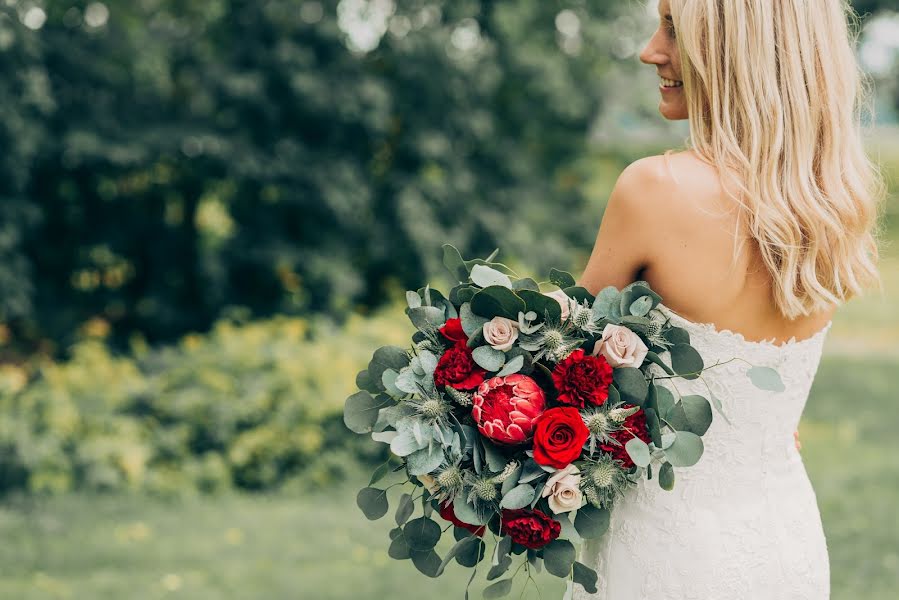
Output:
[[559, 436], [530, 528], [582, 378], [446, 511], [457, 369], [633, 426], [452, 330]]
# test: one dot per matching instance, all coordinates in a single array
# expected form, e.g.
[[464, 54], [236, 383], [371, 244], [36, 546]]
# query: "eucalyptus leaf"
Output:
[[585, 577], [489, 358], [405, 509], [656, 359], [470, 321], [379, 474], [519, 497], [501, 567], [472, 553], [485, 276], [686, 449], [638, 451], [666, 477], [365, 382], [372, 502], [766, 378], [563, 279], [399, 549], [591, 522], [360, 412], [631, 384], [641, 306], [542, 305], [686, 361], [498, 590], [512, 366], [426, 561], [495, 459], [425, 460], [413, 299], [677, 335], [525, 283], [559, 556], [386, 357], [496, 301], [454, 263], [422, 533], [466, 513], [426, 317]]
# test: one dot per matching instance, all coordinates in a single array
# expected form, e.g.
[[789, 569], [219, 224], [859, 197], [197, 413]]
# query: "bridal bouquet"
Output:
[[526, 414]]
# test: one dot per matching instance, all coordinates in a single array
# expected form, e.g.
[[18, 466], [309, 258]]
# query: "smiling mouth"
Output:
[[670, 83]]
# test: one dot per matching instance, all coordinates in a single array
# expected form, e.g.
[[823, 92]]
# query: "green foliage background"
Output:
[[208, 213]]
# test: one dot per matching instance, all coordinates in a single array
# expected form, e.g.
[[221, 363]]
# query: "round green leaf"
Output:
[[489, 358], [373, 502], [638, 451], [641, 306], [686, 361], [360, 412], [426, 561], [399, 549], [563, 279], [472, 552], [666, 477], [518, 497], [421, 533], [591, 522], [454, 263], [686, 449], [677, 335], [495, 301], [558, 556], [405, 509], [386, 357], [466, 513], [485, 276], [631, 384], [766, 378], [425, 460], [498, 590], [512, 366]]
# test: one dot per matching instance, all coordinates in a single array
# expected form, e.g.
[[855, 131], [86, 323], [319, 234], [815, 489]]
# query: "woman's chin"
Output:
[[673, 111]]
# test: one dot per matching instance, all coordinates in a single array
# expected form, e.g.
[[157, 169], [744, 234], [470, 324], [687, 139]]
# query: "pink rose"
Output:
[[501, 333], [621, 347], [563, 299]]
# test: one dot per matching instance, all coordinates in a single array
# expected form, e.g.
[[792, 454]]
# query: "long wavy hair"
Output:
[[776, 97]]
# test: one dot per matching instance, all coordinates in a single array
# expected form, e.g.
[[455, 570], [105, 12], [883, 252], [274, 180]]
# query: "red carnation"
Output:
[[582, 378], [457, 369], [633, 426], [446, 511], [452, 330], [530, 528], [559, 436]]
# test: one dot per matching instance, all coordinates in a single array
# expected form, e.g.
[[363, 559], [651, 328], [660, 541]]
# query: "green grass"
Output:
[[319, 546]]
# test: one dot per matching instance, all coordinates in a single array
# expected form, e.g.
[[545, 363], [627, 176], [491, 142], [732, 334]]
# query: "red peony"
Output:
[[530, 528], [452, 330], [505, 408], [559, 436], [457, 369], [582, 378], [633, 426], [446, 511]]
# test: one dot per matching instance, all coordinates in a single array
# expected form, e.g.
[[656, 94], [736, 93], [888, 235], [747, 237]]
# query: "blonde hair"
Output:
[[774, 93]]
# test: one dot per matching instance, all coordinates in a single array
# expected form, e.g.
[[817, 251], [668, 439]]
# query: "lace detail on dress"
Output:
[[743, 523]]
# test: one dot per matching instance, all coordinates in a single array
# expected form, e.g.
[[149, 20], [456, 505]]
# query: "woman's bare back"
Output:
[[670, 223]]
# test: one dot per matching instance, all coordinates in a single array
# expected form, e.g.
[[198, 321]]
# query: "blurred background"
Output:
[[209, 212]]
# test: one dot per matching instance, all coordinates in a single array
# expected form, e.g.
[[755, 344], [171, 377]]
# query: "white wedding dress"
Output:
[[741, 524]]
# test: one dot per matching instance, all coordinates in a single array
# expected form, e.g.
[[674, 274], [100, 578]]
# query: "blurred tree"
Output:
[[167, 159]]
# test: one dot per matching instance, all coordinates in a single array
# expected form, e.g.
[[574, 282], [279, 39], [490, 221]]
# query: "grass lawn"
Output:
[[319, 546]]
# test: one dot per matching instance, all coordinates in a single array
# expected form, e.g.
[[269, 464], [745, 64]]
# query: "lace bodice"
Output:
[[742, 523]]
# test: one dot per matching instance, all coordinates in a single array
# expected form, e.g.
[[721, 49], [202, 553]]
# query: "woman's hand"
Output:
[[798, 443]]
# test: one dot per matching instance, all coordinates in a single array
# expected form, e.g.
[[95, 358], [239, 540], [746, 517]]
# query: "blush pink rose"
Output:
[[501, 333], [621, 347]]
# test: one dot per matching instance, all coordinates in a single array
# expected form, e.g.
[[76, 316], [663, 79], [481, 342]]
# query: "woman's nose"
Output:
[[652, 54]]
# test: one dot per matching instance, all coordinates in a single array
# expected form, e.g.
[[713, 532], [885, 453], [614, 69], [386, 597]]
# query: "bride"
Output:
[[753, 236]]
